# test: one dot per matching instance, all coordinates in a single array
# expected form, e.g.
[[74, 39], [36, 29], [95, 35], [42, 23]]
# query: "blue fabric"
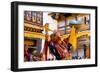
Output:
[[54, 51]]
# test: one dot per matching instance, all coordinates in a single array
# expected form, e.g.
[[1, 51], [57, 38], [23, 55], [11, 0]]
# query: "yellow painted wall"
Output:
[[34, 35], [42, 36]]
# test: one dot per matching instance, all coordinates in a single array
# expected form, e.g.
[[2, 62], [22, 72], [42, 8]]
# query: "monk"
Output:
[[60, 45]]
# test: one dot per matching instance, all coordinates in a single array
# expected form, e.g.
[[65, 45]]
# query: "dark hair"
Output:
[[84, 45], [30, 50]]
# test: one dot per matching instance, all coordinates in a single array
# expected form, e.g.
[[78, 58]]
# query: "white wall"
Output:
[[48, 19], [5, 35]]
